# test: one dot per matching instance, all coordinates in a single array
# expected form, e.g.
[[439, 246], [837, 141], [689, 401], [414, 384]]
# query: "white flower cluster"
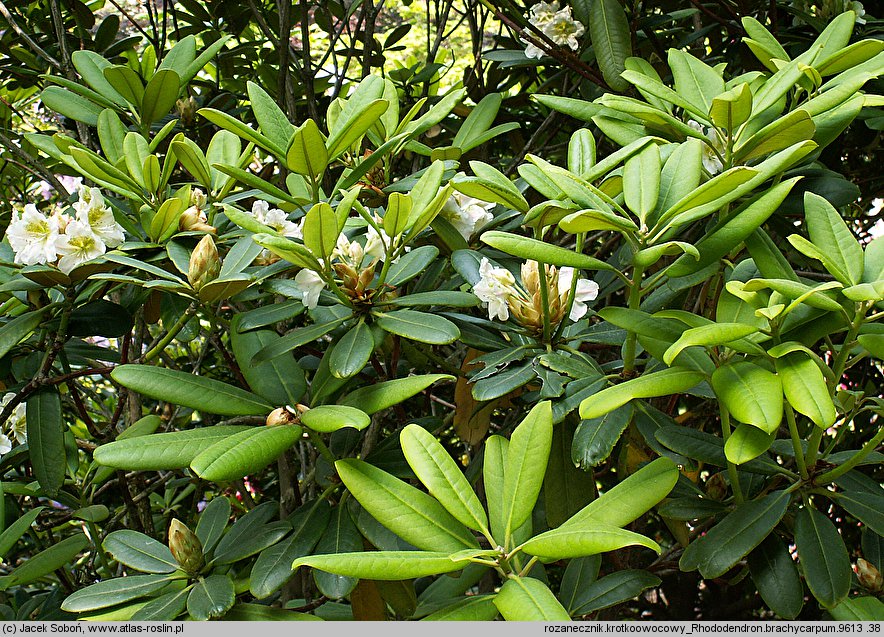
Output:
[[497, 289], [15, 427], [712, 150], [37, 238], [466, 214], [556, 24], [277, 219]]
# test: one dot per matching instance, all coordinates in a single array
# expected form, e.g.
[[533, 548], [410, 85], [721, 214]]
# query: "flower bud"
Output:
[[869, 576], [186, 108], [194, 219], [198, 198], [186, 547], [205, 264], [281, 416]]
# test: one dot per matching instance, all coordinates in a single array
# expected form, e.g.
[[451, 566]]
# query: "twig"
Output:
[[24, 36]]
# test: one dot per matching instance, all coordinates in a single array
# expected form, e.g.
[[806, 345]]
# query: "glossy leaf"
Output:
[[212, 522], [613, 589], [419, 326], [526, 248], [174, 450], [13, 532], [280, 380], [320, 230], [163, 608], [438, 471], [329, 418], [751, 393], [114, 591], [351, 352], [674, 380], [708, 335], [411, 514], [46, 429], [610, 36], [196, 392], [526, 460], [641, 181], [383, 565], [572, 541], [805, 389], [841, 253], [340, 536], [159, 95], [474, 608], [244, 452], [595, 438], [735, 536], [211, 597], [823, 557], [747, 442], [529, 599], [374, 398], [776, 576], [140, 551]]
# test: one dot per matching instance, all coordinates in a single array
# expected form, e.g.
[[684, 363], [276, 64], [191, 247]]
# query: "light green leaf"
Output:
[[805, 389], [114, 591], [384, 565], [159, 95], [244, 452], [696, 81], [641, 181], [438, 471], [196, 392], [273, 122], [419, 326], [526, 461], [374, 398], [140, 551], [540, 251], [329, 418], [529, 599], [211, 597], [841, 253], [751, 393], [411, 514], [674, 380], [569, 542], [710, 335], [747, 442], [173, 450]]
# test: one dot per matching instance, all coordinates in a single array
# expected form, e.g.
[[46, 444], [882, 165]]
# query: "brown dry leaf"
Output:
[[470, 425]]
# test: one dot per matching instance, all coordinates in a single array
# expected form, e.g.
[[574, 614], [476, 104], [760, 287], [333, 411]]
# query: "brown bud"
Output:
[[205, 264], [716, 486], [186, 108], [186, 547], [869, 576], [281, 416]]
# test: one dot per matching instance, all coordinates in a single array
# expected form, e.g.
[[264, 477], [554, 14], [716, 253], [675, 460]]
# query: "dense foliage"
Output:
[[532, 311]]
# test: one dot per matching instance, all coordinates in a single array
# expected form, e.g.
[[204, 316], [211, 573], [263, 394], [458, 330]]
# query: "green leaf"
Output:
[[751, 394], [329, 418], [225, 148], [865, 507], [111, 133], [493, 470], [776, 576], [287, 249], [139, 551], [696, 81], [566, 487], [114, 591], [710, 335], [529, 599], [580, 573], [71, 105], [492, 185], [191, 156], [244, 452], [227, 122], [90, 65], [478, 121], [374, 398], [473, 608], [320, 230], [126, 82], [211, 597], [279, 380], [295, 338], [347, 132], [747, 442], [805, 389], [306, 154], [397, 214], [732, 108], [411, 264], [196, 392], [273, 122], [212, 522], [823, 557], [540, 251], [163, 608], [708, 448], [419, 326], [273, 568], [853, 609], [581, 152], [351, 353], [674, 380], [156, 452], [613, 589], [16, 330], [384, 565], [738, 228], [438, 471], [340, 536], [792, 128], [735, 536], [630, 499], [411, 514], [611, 40], [46, 430], [526, 461], [595, 438], [593, 220], [12, 533], [159, 95], [841, 254], [571, 541], [641, 181]]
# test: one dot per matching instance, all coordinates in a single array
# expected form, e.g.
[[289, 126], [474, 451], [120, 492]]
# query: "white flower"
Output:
[[277, 219], [377, 243], [350, 251], [711, 150], [16, 424], [466, 214], [78, 245], [309, 284], [88, 198], [198, 198], [564, 30], [859, 10], [542, 13], [101, 221], [32, 236], [587, 290], [5, 445], [494, 287]]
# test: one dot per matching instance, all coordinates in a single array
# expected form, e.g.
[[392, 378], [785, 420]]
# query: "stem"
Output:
[[731, 467], [171, 334], [840, 470], [796, 440], [635, 297], [321, 447]]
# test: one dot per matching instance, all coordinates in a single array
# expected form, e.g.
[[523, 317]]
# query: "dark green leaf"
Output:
[[46, 439], [823, 557], [211, 597]]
